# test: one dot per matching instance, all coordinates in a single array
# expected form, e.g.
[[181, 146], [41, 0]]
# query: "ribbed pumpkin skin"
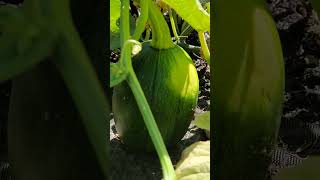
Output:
[[170, 83], [248, 91]]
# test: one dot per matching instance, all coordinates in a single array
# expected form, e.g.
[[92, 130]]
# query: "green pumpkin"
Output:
[[170, 83], [248, 91]]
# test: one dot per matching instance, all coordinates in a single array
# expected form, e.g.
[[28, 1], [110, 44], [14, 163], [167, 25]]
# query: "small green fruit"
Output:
[[170, 83]]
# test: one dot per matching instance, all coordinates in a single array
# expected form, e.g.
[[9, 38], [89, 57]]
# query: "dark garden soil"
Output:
[[299, 31]]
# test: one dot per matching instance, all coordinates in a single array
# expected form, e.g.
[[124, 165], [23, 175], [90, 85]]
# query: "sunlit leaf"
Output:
[[186, 29], [115, 10], [203, 120], [192, 12], [308, 169], [115, 24], [195, 162], [23, 49]]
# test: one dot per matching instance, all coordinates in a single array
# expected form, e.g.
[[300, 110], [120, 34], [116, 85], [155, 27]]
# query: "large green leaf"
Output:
[[115, 24], [192, 12], [24, 48], [115, 8], [195, 162], [117, 74]]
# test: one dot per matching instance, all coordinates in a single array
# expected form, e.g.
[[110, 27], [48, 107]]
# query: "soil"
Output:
[[299, 30]]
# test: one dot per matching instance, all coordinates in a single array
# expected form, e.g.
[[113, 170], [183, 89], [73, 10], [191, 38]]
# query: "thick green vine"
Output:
[[161, 38], [142, 20]]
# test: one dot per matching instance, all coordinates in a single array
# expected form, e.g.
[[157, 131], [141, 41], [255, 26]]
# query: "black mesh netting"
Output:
[[299, 30]]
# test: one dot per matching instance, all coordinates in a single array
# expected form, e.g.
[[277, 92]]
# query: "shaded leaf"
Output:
[[23, 49], [115, 13], [10, 17], [186, 29], [117, 74]]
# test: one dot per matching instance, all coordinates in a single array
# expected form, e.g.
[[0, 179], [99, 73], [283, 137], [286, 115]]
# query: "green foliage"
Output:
[[191, 11], [20, 51], [203, 120]]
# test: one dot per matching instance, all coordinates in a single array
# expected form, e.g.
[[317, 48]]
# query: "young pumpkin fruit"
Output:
[[170, 83], [248, 89]]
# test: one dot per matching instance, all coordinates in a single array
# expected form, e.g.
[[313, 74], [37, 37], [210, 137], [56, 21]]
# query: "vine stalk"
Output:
[[167, 167]]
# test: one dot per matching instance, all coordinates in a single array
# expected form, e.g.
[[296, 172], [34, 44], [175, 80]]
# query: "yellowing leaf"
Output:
[[192, 12], [195, 162]]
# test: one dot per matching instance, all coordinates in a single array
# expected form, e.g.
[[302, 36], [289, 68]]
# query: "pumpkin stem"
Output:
[[161, 38]]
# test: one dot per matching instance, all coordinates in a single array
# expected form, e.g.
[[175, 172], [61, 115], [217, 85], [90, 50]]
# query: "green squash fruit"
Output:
[[248, 89], [170, 83]]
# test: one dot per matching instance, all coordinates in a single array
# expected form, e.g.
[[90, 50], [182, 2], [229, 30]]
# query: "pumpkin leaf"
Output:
[[186, 29], [117, 74], [23, 49], [207, 5], [203, 120], [195, 162], [115, 24], [191, 11]]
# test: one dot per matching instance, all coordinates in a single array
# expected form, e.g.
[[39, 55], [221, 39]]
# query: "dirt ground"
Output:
[[299, 30]]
